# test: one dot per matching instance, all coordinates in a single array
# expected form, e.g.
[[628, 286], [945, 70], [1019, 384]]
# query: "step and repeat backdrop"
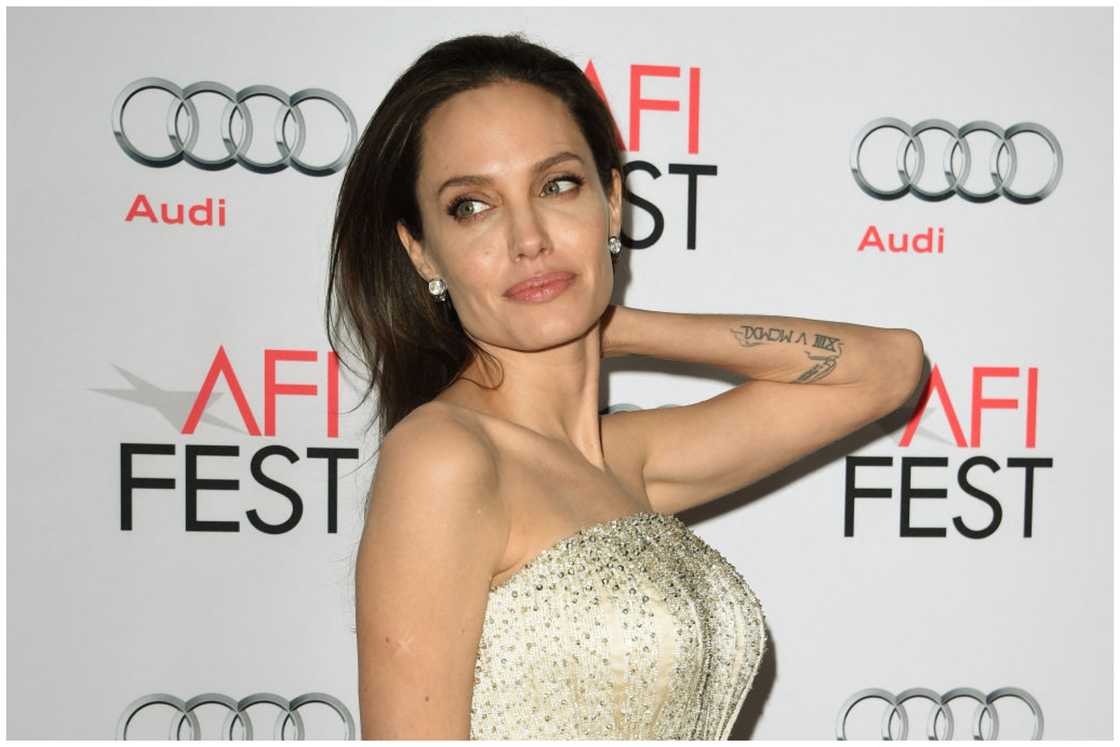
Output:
[[187, 472]]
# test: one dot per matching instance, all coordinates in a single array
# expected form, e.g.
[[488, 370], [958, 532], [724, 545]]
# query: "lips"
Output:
[[538, 280]]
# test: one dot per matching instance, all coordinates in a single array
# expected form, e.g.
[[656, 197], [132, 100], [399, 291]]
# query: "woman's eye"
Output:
[[454, 212], [461, 216], [569, 178]]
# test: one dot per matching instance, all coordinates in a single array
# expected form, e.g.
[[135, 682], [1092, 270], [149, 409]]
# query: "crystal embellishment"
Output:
[[640, 630]]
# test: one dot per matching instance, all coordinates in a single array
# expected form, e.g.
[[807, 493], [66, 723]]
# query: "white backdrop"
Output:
[[114, 324]]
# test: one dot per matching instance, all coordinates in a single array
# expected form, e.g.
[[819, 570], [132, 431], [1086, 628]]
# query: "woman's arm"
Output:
[[773, 348], [434, 533], [695, 453]]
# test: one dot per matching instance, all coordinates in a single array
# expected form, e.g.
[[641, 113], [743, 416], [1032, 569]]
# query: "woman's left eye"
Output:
[[566, 178]]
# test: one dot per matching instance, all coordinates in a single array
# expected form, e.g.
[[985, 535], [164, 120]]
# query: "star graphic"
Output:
[[174, 405]]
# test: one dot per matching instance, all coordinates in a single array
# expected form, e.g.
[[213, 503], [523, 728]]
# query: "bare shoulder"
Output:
[[434, 534], [436, 464], [447, 426]]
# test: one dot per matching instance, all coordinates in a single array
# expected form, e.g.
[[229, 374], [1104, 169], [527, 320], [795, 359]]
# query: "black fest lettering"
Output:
[[272, 468], [1017, 477]]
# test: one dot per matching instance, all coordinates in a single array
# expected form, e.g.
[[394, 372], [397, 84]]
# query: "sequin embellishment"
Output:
[[633, 628]]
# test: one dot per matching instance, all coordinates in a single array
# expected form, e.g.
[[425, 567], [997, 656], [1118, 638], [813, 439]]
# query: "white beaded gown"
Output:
[[633, 628]]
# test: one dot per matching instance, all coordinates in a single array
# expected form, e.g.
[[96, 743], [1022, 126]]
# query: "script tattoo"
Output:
[[749, 336]]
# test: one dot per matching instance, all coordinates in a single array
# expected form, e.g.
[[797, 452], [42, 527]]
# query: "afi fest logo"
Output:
[[211, 211], [268, 474], [957, 411], [689, 126]]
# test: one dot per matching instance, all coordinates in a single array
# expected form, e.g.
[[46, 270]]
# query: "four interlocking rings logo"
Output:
[[289, 711], [183, 149], [957, 140], [895, 706]]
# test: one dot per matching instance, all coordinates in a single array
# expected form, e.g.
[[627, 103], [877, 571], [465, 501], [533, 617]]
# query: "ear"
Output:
[[416, 253], [614, 200]]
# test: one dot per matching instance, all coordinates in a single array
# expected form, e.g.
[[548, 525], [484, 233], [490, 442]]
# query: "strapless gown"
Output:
[[633, 628]]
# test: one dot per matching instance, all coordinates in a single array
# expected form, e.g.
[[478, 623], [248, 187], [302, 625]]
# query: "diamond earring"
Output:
[[614, 246], [438, 288]]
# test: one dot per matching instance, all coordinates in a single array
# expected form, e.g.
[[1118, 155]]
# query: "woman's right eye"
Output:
[[454, 212]]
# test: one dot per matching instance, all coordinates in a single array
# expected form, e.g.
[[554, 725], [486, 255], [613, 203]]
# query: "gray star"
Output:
[[173, 405]]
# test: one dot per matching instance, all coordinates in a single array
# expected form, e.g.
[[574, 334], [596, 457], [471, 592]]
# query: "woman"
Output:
[[521, 573]]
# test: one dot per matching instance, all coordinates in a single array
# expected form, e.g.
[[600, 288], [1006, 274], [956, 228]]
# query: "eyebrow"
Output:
[[541, 165]]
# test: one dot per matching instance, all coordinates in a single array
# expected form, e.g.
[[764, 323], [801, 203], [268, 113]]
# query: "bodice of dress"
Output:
[[634, 628]]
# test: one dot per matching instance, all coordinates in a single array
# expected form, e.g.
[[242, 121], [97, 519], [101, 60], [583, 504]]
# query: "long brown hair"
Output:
[[411, 345]]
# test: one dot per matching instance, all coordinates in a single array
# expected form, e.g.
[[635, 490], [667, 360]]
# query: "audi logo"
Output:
[[895, 702], [1002, 184], [184, 148], [237, 713]]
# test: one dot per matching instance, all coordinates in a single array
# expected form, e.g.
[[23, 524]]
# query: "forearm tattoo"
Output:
[[825, 362]]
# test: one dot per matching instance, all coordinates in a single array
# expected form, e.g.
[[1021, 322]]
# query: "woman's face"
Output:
[[531, 203]]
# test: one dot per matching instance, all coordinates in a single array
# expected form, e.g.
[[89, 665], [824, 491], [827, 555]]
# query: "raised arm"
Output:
[[433, 536], [808, 382]]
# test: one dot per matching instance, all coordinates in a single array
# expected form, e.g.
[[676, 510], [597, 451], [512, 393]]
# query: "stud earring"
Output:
[[438, 288], [614, 246]]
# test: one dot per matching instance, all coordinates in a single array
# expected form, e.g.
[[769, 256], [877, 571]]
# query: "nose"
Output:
[[528, 234]]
